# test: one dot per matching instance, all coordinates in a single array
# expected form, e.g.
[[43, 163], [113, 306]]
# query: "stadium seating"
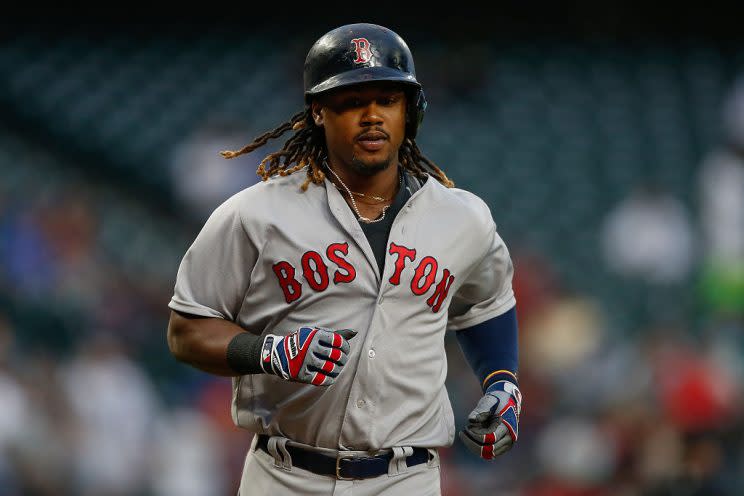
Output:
[[555, 135]]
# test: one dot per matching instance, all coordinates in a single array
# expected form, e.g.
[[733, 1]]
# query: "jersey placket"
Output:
[[364, 392]]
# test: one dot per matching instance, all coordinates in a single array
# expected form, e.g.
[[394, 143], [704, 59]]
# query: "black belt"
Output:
[[344, 467]]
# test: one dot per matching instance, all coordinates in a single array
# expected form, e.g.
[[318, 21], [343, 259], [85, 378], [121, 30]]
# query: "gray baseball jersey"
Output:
[[273, 258]]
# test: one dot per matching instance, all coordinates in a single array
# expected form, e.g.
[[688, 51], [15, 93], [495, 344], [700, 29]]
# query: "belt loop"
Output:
[[278, 449], [397, 463], [433, 458]]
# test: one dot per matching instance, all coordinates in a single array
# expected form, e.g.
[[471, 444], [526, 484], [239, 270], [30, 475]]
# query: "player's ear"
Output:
[[315, 108]]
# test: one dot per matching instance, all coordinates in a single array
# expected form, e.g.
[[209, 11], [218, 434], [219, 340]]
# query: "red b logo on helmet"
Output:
[[362, 49]]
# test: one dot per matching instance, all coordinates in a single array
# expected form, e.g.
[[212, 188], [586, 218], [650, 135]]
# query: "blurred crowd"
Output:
[[92, 403]]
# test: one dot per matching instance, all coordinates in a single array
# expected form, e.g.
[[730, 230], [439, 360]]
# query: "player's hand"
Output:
[[313, 355], [493, 426]]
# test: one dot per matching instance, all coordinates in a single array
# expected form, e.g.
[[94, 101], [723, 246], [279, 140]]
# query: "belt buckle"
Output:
[[340, 457]]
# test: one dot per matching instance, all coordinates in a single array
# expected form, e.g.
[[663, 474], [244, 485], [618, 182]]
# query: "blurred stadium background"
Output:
[[608, 141]]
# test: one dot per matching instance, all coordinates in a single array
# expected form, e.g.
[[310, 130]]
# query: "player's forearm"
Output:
[[202, 342], [491, 348]]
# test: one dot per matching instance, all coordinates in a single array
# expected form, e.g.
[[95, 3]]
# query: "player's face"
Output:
[[364, 125]]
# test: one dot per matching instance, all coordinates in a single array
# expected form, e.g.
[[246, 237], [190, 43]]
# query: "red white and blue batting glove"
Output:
[[313, 355], [493, 426]]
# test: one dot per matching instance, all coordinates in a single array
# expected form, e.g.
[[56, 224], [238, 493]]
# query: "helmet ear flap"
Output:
[[415, 113]]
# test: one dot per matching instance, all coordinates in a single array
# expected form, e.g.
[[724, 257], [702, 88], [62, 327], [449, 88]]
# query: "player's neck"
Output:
[[381, 184]]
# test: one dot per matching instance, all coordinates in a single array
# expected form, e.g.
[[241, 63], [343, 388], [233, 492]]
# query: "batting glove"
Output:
[[313, 355], [493, 426]]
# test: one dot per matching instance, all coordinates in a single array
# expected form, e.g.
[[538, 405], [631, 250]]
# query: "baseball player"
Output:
[[325, 290]]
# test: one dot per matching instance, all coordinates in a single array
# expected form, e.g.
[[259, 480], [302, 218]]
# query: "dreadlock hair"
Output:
[[307, 147]]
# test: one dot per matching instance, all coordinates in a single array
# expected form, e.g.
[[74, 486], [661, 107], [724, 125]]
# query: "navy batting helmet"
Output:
[[359, 53]]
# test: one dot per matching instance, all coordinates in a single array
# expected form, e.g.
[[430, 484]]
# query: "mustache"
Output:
[[372, 130]]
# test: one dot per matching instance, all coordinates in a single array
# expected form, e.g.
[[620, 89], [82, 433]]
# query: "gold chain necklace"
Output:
[[378, 199], [353, 203]]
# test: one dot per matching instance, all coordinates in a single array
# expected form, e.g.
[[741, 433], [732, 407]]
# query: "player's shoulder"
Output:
[[267, 194], [461, 201], [258, 203]]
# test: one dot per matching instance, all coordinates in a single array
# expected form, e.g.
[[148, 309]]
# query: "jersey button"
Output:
[[360, 403], [371, 353]]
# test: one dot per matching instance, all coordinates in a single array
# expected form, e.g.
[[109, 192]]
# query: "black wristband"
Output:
[[244, 353]]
